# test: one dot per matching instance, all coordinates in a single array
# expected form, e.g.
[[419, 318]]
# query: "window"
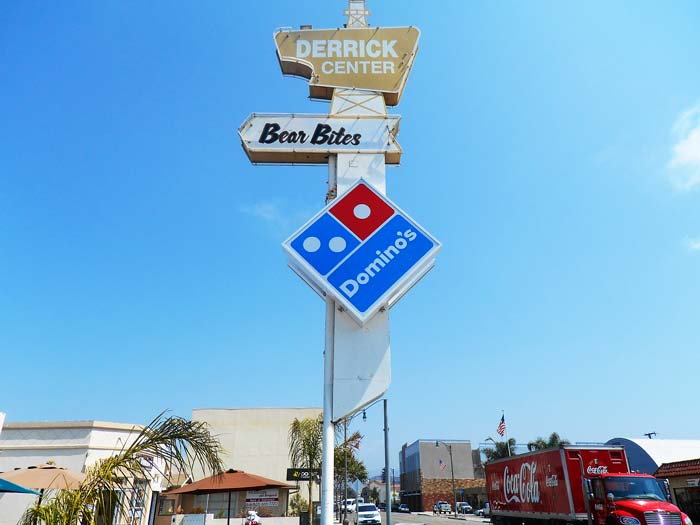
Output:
[[215, 503], [166, 507], [598, 489]]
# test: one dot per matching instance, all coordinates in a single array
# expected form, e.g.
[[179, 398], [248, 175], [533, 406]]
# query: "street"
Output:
[[429, 519]]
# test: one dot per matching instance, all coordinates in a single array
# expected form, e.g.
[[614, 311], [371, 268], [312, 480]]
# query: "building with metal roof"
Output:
[[647, 455]]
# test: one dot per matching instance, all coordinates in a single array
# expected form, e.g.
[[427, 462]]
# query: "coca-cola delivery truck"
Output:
[[577, 484]]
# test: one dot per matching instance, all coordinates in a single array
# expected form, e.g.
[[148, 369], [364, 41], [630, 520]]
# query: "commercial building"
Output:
[[427, 471], [380, 487], [647, 455], [255, 440], [684, 478], [75, 445], [226, 497]]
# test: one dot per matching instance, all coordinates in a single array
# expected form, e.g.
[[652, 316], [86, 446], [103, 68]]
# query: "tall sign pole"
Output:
[[348, 168], [361, 253]]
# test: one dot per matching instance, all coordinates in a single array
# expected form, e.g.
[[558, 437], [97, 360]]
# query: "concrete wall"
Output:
[[255, 440], [430, 457]]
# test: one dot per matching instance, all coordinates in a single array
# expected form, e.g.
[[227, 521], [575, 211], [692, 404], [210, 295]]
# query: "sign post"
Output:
[[361, 253]]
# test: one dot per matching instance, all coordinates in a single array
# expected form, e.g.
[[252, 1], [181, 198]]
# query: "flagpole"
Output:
[[503, 415]]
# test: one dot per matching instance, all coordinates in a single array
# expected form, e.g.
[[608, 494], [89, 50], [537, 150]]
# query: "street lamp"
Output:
[[452, 470]]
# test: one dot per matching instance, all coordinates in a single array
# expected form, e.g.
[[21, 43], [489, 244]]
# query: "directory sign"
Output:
[[375, 59], [362, 250]]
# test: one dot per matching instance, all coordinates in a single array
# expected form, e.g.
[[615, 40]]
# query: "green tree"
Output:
[[306, 448], [345, 453], [179, 443], [297, 505], [374, 495], [500, 449], [554, 441]]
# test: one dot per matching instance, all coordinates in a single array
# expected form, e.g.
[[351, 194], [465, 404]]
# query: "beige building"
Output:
[[75, 445], [255, 440]]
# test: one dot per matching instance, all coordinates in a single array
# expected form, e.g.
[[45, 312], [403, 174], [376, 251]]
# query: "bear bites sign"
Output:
[[375, 59]]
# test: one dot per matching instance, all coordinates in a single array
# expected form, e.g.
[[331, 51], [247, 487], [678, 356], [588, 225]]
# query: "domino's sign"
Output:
[[362, 250]]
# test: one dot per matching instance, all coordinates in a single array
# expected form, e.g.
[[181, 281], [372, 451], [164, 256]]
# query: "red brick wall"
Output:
[[441, 489]]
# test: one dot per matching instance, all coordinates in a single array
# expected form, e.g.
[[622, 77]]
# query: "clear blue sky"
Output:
[[554, 149]]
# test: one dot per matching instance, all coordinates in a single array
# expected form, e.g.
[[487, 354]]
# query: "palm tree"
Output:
[[501, 449], [176, 442], [306, 448], [554, 441]]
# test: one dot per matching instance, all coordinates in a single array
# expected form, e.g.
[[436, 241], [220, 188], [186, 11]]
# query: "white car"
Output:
[[349, 504], [367, 513], [485, 511]]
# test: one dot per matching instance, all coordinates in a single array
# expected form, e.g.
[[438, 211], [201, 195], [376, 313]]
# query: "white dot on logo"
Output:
[[361, 211], [312, 244], [337, 244]]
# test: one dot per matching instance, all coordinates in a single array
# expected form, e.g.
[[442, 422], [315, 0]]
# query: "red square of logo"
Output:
[[362, 211]]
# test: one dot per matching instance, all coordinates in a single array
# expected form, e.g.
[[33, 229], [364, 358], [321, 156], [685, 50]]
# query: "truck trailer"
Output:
[[578, 485]]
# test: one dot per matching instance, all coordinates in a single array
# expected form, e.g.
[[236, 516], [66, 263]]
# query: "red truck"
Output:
[[576, 485]]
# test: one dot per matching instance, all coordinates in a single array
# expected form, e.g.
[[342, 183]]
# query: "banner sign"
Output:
[[309, 139], [262, 498], [363, 251], [303, 474], [375, 59]]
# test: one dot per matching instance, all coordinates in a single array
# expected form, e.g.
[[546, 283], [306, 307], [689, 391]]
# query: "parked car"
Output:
[[464, 508], [349, 504], [367, 513], [484, 511], [381, 505], [442, 507], [395, 507], [404, 508]]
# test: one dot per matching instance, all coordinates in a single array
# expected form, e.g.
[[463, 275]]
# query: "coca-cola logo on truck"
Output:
[[602, 469], [521, 487]]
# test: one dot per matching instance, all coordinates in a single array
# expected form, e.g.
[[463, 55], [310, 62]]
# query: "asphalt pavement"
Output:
[[429, 518], [433, 519]]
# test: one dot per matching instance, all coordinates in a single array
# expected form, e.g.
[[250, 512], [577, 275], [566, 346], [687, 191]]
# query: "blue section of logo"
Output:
[[380, 262], [325, 243]]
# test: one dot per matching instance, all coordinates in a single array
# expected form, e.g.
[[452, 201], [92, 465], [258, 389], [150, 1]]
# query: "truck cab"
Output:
[[632, 499]]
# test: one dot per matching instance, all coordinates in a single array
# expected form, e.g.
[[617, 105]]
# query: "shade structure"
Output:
[[8, 486], [45, 477], [229, 480]]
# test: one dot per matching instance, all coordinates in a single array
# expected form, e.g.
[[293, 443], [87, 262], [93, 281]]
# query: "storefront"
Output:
[[226, 497], [684, 479]]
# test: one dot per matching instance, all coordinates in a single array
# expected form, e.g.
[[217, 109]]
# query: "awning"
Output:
[[229, 480]]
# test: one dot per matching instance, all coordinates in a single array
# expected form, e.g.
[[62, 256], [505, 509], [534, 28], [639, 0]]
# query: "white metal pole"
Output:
[[389, 487], [328, 427]]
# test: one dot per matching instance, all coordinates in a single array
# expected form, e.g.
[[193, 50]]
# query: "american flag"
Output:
[[502, 426], [442, 464]]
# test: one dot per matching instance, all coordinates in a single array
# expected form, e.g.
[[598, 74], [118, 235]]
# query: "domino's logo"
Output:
[[325, 243], [360, 248]]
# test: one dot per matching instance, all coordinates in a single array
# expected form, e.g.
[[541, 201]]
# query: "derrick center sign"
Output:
[[376, 59], [363, 251]]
